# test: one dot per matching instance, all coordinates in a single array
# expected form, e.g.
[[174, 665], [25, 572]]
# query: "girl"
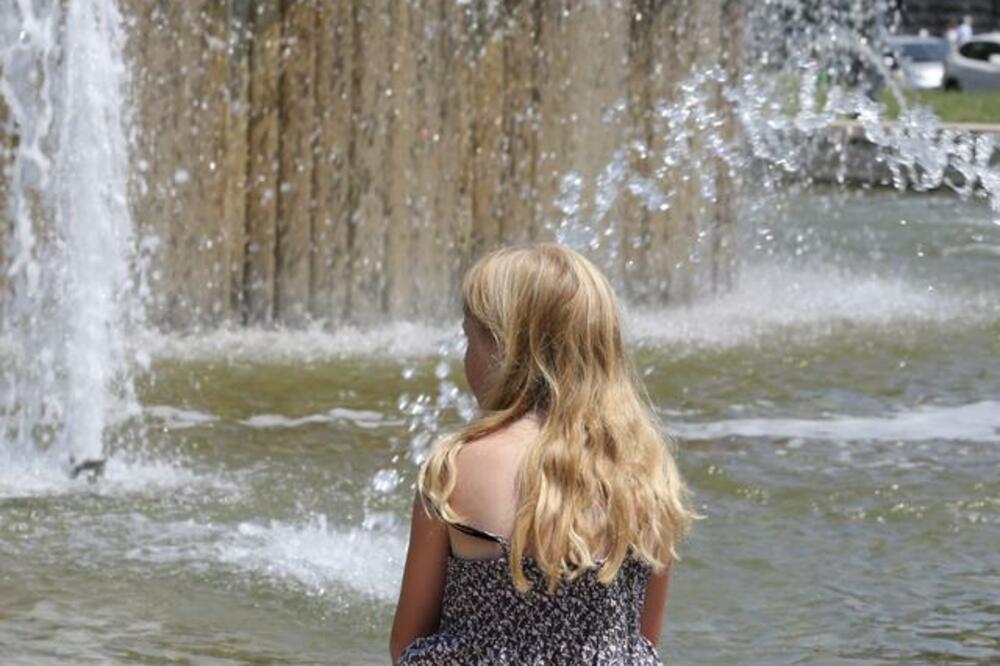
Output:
[[543, 531]]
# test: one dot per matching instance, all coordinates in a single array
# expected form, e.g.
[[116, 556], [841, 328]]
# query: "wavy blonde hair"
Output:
[[601, 476]]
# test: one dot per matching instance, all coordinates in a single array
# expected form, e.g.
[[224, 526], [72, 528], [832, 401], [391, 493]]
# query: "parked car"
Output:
[[918, 62], [975, 65]]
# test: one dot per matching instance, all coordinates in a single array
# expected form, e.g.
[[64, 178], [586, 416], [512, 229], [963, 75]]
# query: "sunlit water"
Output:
[[838, 410], [839, 415]]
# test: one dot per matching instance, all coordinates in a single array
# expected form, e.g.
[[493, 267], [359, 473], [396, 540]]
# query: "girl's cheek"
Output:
[[472, 369]]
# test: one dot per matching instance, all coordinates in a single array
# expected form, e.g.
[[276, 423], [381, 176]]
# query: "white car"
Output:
[[916, 61], [974, 65]]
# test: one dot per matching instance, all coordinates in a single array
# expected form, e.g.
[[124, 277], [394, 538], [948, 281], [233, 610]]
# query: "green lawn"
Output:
[[951, 107]]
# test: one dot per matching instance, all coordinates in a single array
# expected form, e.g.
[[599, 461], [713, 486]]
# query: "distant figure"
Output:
[[965, 30], [951, 34]]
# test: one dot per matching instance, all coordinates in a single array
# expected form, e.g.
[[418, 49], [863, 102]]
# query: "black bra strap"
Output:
[[468, 529], [476, 532]]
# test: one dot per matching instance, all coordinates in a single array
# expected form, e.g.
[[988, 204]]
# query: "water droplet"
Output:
[[386, 480]]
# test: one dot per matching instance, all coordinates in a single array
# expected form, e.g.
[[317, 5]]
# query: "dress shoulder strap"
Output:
[[471, 531], [476, 532]]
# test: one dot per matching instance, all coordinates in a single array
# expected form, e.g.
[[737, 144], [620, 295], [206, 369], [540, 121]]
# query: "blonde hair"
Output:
[[600, 473]]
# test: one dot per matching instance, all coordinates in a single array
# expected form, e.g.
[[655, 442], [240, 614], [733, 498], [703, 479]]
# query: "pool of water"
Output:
[[839, 422]]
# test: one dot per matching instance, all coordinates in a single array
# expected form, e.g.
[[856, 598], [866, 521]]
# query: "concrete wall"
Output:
[[346, 160]]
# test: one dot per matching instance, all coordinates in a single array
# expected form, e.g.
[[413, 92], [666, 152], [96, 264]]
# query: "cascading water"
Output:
[[70, 293], [785, 124]]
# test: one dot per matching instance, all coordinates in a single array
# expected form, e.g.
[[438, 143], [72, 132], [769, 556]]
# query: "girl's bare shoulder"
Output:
[[505, 443], [487, 467]]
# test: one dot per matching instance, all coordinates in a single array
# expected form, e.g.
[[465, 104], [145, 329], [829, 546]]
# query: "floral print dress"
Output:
[[485, 620]]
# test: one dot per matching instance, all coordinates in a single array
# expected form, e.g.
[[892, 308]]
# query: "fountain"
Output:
[[70, 257], [232, 238], [342, 163]]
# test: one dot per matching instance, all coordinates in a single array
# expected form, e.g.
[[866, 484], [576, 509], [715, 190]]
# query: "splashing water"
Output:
[[70, 259], [803, 94], [843, 401], [805, 89]]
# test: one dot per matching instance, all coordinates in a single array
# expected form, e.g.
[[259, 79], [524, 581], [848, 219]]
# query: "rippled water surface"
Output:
[[839, 414]]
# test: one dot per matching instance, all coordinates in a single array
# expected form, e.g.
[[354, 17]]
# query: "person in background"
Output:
[[951, 34], [964, 32]]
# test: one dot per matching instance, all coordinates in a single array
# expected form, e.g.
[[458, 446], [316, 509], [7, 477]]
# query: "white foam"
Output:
[[176, 418], [359, 417], [972, 250], [44, 475], [978, 422], [311, 555], [810, 302], [400, 339], [319, 556], [767, 300]]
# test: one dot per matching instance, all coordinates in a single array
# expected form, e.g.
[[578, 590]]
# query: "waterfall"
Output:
[[69, 294]]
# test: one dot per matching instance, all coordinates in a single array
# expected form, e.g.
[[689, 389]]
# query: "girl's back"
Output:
[[485, 493], [485, 619]]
